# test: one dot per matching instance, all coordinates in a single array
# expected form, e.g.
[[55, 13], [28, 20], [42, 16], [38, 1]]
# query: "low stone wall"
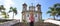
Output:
[[9, 23]]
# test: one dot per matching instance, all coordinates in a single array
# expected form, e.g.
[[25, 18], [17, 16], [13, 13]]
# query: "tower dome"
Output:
[[24, 4], [38, 5]]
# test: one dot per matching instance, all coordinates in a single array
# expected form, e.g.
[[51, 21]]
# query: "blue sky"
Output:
[[45, 4]]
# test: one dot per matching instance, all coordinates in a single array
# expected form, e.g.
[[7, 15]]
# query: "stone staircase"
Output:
[[38, 24], [9, 23], [35, 24]]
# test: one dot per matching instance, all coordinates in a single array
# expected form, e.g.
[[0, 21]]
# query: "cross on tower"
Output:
[[32, 4]]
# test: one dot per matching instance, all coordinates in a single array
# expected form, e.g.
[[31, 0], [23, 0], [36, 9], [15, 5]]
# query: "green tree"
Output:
[[5, 15], [1, 8], [52, 12], [57, 6], [55, 10], [14, 10]]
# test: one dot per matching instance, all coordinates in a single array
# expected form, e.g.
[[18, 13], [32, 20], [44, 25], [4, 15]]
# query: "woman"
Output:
[[31, 20]]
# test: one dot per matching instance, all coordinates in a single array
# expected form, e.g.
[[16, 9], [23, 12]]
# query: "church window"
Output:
[[27, 15], [36, 15]]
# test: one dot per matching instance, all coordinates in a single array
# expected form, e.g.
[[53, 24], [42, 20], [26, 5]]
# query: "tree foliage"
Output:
[[1, 8], [14, 10], [5, 15], [55, 10]]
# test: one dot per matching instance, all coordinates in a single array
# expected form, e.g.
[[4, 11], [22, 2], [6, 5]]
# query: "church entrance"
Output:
[[31, 23]]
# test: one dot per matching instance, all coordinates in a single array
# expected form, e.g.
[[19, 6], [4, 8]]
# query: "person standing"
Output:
[[31, 20]]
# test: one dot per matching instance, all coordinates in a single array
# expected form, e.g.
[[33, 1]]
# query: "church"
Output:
[[32, 13]]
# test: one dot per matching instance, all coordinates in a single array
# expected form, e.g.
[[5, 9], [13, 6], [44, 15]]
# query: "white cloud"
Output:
[[19, 16], [0, 0], [8, 3]]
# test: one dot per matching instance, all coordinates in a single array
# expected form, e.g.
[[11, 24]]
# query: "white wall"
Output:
[[27, 18], [36, 18]]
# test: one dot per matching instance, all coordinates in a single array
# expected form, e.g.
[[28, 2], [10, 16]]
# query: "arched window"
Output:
[[35, 15], [27, 15]]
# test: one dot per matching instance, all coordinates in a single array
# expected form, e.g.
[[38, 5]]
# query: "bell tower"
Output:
[[24, 6], [38, 6]]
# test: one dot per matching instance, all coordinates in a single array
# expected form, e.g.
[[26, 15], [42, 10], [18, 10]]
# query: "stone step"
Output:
[[35, 24], [44, 24]]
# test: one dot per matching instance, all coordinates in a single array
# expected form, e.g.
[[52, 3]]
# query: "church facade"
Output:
[[32, 13]]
